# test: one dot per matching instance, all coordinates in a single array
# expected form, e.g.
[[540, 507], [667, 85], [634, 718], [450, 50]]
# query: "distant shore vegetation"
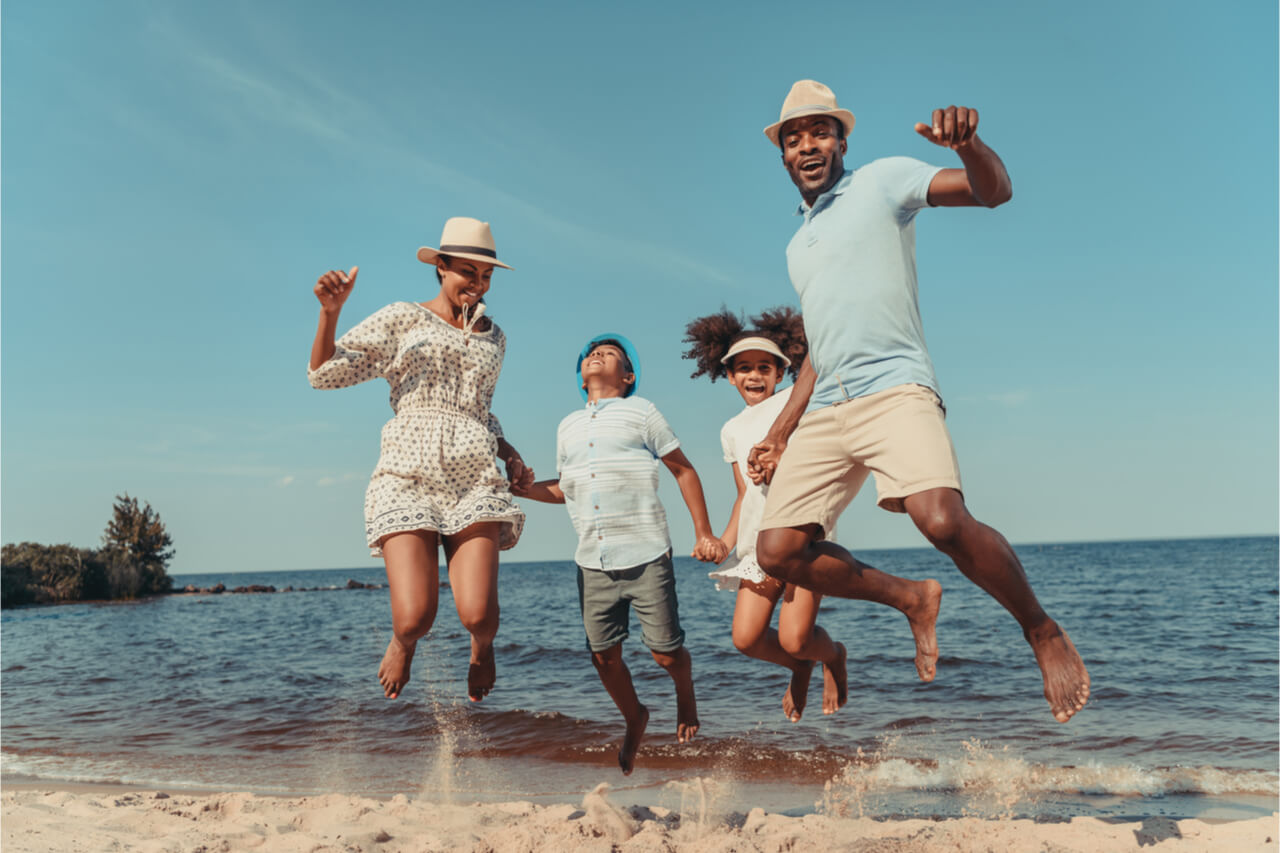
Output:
[[132, 562]]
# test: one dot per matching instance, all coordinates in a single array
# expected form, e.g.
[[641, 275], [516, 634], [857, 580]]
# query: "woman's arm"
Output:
[[332, 289]]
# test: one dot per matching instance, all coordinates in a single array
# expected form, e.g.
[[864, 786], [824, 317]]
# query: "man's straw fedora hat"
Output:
[[464, 237], [807, 98]]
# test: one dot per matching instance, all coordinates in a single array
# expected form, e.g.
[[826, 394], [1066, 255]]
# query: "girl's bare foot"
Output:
[[924, 619], [631, 742], [797, 694], [835, 682], [1066, 681], [482, 673], [393, 672]]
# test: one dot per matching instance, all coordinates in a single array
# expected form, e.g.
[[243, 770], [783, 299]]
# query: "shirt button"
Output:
[[599, 537], [593, 476], [591, 444], [597, 506]]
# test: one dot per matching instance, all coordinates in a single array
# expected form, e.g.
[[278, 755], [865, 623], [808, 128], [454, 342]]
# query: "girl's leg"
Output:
[[414, 581], [473, 578], [800, 635], [754, 638]]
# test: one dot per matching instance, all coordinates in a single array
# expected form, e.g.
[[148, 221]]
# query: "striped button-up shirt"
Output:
[[607, 454]]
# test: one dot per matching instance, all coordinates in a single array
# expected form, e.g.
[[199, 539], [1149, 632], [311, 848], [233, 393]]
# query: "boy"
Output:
[[606, 455]]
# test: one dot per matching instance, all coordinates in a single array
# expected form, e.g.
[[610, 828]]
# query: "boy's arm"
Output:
[[730, 537], [763, 460], [519, 474], [547, 491], [708, 548]]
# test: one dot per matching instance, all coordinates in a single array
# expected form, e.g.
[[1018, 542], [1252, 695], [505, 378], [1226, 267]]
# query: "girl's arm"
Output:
[[332, 289], [708, 547], [547, 491], [730, 537]]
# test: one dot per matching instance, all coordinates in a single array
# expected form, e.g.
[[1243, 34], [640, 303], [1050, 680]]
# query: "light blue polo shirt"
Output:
[[853, 263], [607, 454]]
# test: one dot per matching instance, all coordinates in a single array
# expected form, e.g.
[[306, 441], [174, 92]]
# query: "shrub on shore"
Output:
[[131, 563]]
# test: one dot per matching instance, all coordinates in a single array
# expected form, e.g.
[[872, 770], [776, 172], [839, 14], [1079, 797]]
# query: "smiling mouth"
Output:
[[812, 167]]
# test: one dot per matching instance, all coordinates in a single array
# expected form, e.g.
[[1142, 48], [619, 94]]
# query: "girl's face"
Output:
[[464, 281], [755, 374]]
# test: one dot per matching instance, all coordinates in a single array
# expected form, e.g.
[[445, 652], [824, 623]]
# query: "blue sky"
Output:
[[176, 175]]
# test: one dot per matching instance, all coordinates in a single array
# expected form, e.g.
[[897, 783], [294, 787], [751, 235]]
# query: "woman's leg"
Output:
[[800, 635], [414, 581], [473, 578], [754, 638]]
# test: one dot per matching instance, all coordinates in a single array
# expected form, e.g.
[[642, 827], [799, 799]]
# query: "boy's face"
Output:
[[755, 374], [608, 365]]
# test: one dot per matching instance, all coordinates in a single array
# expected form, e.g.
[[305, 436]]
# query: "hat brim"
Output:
[[756, 343], [846, 118], [627, 347], [428, 255]]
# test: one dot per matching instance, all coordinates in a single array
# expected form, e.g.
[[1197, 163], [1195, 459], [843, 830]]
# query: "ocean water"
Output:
[[277, 693]]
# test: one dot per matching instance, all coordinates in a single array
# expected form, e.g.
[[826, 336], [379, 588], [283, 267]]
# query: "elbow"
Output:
[[1000, 196]]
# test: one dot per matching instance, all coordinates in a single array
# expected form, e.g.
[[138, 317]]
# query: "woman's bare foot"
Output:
[[835, 682], [393, 672], [923, 618], [1066, 681], [482, 673], [797, 695], [631, 742]]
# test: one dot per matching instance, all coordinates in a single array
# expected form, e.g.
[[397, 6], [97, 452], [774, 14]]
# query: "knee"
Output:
[[745, 639], [414, 624], [480, 622], [794, 639], [942, 526], [668, 660], [776, 553], [606, 660]]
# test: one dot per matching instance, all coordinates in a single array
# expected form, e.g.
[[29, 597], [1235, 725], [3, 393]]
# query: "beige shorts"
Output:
[[898, 434]]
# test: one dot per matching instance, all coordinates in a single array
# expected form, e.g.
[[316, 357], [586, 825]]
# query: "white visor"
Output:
[[755, 343]]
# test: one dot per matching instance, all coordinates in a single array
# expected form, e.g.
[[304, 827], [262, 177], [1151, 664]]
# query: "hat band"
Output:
[[808, 107], [454, 248]]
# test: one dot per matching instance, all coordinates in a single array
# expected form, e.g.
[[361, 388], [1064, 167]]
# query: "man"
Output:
[[867, 391]]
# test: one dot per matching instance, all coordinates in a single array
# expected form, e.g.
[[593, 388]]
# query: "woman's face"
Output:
[[463, 281], [755, 374]]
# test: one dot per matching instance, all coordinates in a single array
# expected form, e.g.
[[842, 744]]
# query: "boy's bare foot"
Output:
[[797, 695], [631, 742], [482, 673], [923, 618], [1066, 681], [835, 682], [393, 672], [686, 717]]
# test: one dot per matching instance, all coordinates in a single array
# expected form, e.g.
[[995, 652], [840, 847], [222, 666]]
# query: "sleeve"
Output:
[[906, 182], [726, 445], [561, 450], [363, 353], [494, 426], [658, 436]]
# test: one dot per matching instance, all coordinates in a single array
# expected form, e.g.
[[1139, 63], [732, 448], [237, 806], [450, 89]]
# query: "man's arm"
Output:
[[708, 547], [764, 456], [983, 181]]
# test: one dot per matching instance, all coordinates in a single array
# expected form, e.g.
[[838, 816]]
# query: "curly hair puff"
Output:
[[711, 336]]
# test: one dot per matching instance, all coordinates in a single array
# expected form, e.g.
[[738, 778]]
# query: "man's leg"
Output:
[[986, 558], [800, 556]]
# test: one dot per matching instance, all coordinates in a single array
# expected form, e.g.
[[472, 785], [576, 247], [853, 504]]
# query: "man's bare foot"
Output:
[[482, 673], [797, 695], [923, 618], [393, 672], [835, 682], [631, 742], [1066, 681], [686, 717]]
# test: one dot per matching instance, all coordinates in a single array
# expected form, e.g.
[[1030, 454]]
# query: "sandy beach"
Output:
[[85, 820]]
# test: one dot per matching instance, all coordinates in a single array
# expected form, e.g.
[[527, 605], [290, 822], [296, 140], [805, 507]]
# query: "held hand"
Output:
[[333, 288], [709, 549], [763, 459], [952, 128], [519, 475]]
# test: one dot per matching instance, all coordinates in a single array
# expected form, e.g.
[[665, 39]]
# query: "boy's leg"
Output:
[[653, 594], [414, 583], [473, 580], [753, 637], [605, 614], [799, 633]]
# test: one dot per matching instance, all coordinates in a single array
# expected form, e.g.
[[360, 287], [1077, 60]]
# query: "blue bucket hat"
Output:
[[627, 348]]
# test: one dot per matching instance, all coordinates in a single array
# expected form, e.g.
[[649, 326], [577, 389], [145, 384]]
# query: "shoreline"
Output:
[[40, 816]]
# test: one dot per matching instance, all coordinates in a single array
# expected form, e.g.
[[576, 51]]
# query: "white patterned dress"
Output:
[[438, 469]]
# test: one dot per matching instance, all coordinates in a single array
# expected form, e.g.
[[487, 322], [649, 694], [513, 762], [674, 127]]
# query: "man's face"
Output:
[[813, 154]]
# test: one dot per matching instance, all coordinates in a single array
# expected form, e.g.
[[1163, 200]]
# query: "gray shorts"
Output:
[[606, 599]]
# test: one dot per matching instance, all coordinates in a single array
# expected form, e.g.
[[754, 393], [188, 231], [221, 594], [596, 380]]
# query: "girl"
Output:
[[437, 481], [754, 361]]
